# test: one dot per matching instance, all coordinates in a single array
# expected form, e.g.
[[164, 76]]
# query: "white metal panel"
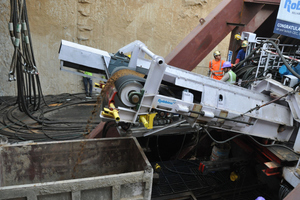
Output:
[[289, 175], [83, 55]]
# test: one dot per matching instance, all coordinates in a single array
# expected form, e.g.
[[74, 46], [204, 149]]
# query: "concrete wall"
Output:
[[104, 24]]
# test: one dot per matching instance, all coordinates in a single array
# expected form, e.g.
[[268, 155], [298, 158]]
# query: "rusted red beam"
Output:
[[215, 27], [259, 18], [251, 26], [202, 39], [98, 131]]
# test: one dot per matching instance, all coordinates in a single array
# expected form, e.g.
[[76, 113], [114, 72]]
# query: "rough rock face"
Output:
[[103, 24]]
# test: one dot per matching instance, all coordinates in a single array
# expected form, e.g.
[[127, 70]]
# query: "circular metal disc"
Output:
[[130, 86]]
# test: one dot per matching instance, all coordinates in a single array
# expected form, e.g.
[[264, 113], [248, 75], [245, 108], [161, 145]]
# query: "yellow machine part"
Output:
[[147, 120], [111, 113], [157, 167], [233, 176]]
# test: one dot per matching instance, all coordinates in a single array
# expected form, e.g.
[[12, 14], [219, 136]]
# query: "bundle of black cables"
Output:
[[246, 73], [23, 66], [30, 99]]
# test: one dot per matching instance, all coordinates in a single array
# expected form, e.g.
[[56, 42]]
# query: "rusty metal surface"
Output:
[[259, 18], [197, 108], [284, 154], [135, 185], [96, 132], [56, 161], [193, 48]]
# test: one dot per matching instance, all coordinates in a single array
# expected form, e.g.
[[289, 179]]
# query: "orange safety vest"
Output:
[[216, 69]]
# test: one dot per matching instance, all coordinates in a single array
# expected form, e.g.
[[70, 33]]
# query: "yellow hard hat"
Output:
[[216, 53], [245, 43]]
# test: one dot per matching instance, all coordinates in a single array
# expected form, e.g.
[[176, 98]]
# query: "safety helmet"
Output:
[[245, 43], [216, 53], [226, 64]]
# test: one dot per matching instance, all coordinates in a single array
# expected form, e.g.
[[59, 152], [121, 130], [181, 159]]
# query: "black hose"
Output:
[[247, 57], [16, 126], [283, 59], [106, 127], [23, 62]]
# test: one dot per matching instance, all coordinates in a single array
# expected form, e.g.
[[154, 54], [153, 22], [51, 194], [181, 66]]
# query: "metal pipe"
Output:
[[202, 113], [147, 51], [161, 129]]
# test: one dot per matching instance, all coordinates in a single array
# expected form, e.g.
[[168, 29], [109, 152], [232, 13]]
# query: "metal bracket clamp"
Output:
[[136, 98], [112, 112], [147, 120], [10, 77]]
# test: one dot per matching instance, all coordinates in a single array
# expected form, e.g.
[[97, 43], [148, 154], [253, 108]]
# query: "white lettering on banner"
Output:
[[295, 28], [288, 19]]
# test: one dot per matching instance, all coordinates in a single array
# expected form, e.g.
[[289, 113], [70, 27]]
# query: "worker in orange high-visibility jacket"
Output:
[[215, 66]]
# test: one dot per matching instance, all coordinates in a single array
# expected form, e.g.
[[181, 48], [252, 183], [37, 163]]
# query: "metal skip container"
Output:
[[102, 169]]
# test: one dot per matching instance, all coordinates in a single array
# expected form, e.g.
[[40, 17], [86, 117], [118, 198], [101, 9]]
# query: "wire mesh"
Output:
[[178, 176]]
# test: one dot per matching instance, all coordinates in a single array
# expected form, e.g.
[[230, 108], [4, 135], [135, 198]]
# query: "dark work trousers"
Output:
[[87, 81]]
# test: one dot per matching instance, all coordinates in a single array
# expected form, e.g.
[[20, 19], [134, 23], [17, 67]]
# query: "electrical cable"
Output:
[[248, 56], [182, 173], [176, 157], [23, 62], [283, 59], [3, 139], [258, 107], [17, 127], [173, 171], [270, 145], [221, 142], [241, 70], [273, 145], [57, 138]]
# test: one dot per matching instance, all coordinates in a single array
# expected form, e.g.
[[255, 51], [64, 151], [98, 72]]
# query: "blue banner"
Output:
[[288, 19], [289, 29]]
